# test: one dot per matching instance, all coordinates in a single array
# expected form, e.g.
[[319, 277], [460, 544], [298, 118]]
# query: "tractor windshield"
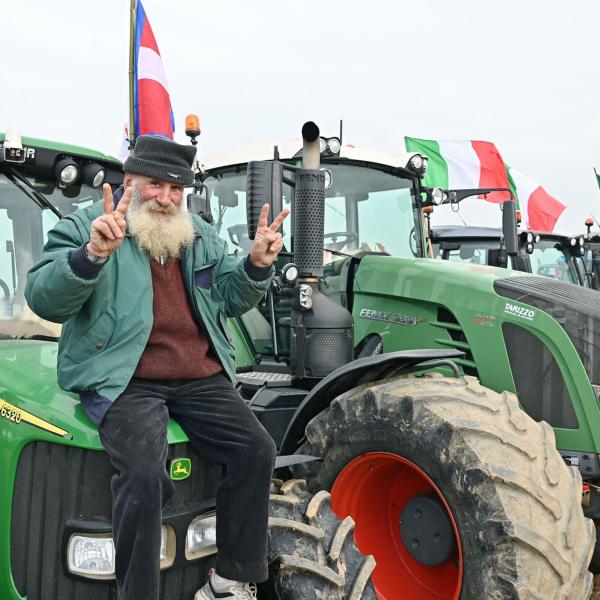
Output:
[[551, 259], [481, 252], [366, 209], [24, 225]]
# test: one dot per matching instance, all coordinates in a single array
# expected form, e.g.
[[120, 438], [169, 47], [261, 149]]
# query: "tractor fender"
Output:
[[353, 374]]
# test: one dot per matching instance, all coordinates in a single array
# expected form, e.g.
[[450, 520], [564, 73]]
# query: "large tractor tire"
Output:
[[312, 555], [454, 490]]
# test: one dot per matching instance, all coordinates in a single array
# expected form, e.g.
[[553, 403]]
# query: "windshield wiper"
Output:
[[338, 253], [36, 196]]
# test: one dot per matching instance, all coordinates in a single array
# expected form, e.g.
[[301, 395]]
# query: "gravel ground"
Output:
[[596, 591]]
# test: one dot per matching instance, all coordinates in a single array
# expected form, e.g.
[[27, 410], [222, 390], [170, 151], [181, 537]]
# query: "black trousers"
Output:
[[222, 428]]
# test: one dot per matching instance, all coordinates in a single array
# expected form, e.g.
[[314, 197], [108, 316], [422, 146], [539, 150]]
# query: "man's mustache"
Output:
[[155, 206]]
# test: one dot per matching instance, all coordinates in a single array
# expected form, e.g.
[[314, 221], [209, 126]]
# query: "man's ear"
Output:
[[127, 180]]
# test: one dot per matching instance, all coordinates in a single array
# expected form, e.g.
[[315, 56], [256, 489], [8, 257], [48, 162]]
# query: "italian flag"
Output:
[[468, 164]]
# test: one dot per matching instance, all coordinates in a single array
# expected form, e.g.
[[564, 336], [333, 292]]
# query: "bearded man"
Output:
[[144, 289]]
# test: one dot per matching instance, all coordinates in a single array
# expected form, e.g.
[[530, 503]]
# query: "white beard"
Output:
[[161, 236]]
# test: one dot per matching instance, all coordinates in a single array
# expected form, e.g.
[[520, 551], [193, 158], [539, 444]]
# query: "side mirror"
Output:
[[227, 196], [264, 183], [509, 227], [199, 203], [450, 246]]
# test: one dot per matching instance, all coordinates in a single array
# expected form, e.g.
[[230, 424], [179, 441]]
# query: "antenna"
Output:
[[341, 130]]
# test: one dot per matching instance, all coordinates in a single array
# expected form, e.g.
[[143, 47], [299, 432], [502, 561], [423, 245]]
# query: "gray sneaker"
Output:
[[239, 591]]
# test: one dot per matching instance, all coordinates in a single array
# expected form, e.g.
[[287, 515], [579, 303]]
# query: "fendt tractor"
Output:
[[397, 451], [387, 380], [547, 254]]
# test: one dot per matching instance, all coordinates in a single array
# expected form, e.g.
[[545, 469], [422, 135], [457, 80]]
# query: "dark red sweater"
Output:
[[176, 349]]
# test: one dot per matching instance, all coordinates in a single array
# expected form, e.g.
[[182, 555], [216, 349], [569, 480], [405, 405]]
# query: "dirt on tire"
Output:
[[312, 555], [516, 503]]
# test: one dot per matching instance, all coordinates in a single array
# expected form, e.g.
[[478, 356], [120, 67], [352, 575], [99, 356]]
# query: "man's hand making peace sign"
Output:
[[108, 230], [267, 241]]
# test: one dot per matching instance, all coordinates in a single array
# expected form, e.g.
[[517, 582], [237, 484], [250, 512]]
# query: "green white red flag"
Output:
[[467, 164], [539, 208]]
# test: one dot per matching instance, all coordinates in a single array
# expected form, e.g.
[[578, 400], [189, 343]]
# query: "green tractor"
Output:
[[547, 254], [394, 447], [552, 255], [389, 382]]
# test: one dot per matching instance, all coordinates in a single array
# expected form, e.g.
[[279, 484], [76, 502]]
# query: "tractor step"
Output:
[[256, 379]]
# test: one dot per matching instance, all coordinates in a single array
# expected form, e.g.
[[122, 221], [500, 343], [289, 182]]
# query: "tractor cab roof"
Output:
[[456, 232], [41, 158], [62, 148], [292, 149]]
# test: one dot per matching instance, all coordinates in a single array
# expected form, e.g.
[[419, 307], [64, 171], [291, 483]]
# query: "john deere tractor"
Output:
[[416, 404], [55, 500]]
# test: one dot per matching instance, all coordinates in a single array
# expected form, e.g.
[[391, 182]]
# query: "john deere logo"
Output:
[[181, 468]]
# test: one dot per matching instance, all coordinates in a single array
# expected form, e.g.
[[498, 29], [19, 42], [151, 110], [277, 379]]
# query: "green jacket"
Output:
[[108, 317]]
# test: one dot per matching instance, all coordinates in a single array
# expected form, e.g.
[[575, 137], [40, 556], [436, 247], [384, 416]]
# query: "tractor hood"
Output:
[[401, 276], [33, 407]]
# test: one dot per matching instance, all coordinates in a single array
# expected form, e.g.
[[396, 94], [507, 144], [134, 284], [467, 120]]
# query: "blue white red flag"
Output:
[[153, 114]]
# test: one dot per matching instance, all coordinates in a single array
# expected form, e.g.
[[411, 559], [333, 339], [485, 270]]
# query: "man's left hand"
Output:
[[267, 241]]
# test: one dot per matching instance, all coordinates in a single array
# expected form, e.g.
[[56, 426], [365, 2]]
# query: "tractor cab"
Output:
[[372, 205], [547, 254], [557, 256], [40, 181]]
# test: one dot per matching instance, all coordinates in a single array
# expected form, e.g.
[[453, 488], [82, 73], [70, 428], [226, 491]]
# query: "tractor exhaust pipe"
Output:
[[311, 156], [309, 207], [321, 329]]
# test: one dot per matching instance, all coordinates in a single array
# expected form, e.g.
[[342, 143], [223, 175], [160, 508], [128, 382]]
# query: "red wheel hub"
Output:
[[374, 489]]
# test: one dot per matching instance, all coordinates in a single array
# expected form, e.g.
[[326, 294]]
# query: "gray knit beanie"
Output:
[[161, 158]]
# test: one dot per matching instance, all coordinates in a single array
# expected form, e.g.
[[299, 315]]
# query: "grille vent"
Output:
[[55, 484], [458, 340], [575, 308]]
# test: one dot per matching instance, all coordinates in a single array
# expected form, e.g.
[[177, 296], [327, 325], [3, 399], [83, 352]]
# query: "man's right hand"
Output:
[[108, 230]]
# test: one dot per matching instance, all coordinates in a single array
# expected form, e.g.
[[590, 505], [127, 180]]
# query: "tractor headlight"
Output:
[[529, 248], [425, 164], [334, 145], [573, 241], [92, 555], [330, 146], [289, 273], [438, 196], [537, 239], [93, 174], [581, 241], [305, 296], [66, 171], [529, 237], [416, 162], [201, 538]]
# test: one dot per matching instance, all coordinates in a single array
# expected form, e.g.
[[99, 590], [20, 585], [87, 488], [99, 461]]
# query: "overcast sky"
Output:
[[520, 73]]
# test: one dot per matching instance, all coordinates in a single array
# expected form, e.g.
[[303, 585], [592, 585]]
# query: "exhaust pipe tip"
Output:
[[310, 131]]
